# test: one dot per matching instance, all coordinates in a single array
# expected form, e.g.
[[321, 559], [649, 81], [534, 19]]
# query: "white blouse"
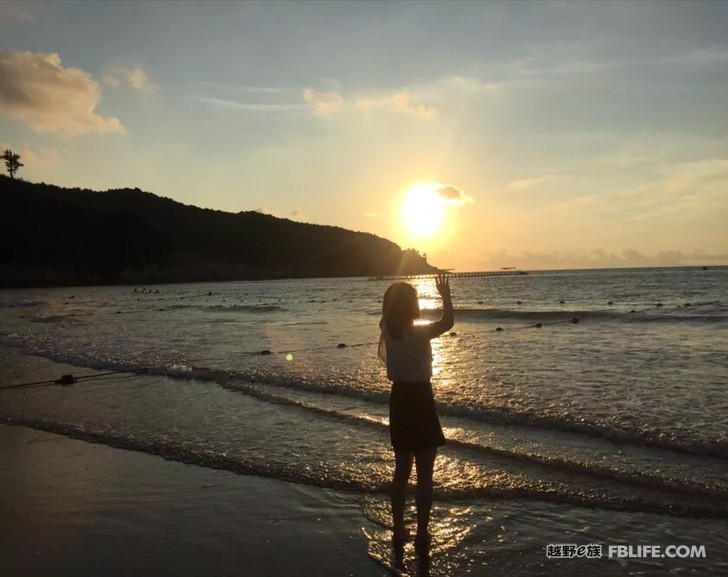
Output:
[[409, 358]]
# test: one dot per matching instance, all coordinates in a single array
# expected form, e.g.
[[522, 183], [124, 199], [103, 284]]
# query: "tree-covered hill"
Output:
[[59, 236]]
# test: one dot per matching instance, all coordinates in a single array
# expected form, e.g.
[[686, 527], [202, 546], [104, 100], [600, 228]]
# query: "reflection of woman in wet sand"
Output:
[[404, 348]]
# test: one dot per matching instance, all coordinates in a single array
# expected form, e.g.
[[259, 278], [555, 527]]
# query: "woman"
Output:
[[404, 348]]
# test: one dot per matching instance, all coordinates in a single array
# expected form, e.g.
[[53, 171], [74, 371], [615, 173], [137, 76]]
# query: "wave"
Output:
[[492, 415], [25, 304], [264, 308], [552, 463], [653, 314], [43, 318], [202, 457]]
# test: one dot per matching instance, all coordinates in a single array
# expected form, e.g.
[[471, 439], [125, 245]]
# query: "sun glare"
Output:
[[423, 210]]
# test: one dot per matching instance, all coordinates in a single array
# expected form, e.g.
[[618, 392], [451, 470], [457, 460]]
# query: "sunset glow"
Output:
[[552, 150]]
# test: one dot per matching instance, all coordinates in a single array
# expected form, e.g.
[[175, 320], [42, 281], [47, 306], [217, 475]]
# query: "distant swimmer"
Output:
[[415, 431]]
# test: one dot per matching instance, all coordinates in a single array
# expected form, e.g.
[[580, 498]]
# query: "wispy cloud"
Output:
[[397, 101], [219, 88], [691, 174], [134, 77], [531, 183], [10, 11], [324, 104], [34, 157], [599, 258], [36, 89], [225, 103]]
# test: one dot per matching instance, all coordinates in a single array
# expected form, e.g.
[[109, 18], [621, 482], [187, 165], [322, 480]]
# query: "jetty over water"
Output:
[[506, 272]]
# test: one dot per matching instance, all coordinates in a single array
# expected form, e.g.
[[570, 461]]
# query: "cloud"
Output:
[[329, 103], [598, 258], [453, 195], [36, 89], [690, 174], [371, 214], [41, 157], [135, 78], [16, 11], [112, 81], [325, 104], [225, 103], [529, 183], [401, 103], [397, 101]]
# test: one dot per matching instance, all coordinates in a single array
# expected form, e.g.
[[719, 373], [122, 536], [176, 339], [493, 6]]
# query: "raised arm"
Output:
[[442, 284]]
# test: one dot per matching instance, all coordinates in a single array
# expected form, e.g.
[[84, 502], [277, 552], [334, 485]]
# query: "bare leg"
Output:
[[423, 496], [402, 469]]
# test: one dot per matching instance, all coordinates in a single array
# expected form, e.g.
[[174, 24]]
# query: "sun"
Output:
[[423, 210]]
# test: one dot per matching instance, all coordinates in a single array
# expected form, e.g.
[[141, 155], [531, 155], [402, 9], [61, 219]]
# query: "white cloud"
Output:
[[112, 81], [36, 89], [397, 101], [530, 183], [691, 174], [325, 104], [135, 78], [16, 11], [225, 103], [371, 214]]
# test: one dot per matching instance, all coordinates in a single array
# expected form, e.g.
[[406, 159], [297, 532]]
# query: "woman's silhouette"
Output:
[[404, 348]]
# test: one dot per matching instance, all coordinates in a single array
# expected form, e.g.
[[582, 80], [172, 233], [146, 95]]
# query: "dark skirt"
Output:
[[413, 422]]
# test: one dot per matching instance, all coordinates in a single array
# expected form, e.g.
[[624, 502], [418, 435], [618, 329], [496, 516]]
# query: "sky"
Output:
[[549, 134]]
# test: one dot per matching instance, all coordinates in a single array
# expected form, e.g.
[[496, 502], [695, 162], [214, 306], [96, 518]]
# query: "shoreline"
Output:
[[74, 507]]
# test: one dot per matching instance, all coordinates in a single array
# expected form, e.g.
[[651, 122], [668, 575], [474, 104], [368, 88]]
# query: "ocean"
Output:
[[580, 407]]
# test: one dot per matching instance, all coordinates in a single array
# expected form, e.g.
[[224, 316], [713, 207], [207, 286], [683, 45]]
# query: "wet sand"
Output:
[[70, 507]]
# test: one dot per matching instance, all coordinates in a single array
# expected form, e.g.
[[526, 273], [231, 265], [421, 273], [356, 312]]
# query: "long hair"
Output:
[[399, 308]]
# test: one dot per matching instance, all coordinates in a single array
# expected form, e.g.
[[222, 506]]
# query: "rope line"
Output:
[[65, 380], [69, 379]]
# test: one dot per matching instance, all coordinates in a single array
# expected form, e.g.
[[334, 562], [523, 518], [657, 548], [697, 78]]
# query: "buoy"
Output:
[[561, 302], [66, 380], [341, 346], [518, 302], [453, 334], [575, 320], [659, 304], [265, 352], [633, 311], [610, 303], [499, 329], [539, 325]]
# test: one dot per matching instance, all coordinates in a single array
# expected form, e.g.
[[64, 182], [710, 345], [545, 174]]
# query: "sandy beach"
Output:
[[70, 507]]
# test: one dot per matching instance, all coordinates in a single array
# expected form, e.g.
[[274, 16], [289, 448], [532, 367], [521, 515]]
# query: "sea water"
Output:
[[580, 407]]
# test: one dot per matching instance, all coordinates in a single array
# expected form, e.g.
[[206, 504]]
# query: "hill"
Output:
[[59, 236]]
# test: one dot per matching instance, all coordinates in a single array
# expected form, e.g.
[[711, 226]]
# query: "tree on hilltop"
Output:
[[12, 162]]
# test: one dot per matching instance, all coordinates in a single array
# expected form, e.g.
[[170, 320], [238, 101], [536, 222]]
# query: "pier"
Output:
[[506, 272]]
